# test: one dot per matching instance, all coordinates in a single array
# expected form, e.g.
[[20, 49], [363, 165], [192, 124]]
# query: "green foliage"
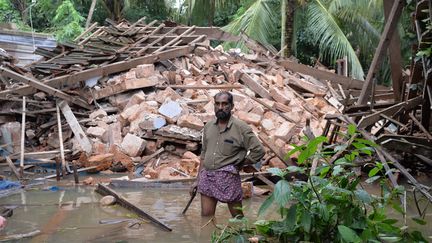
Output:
[[8, 14], [67, 21], [330, 206]]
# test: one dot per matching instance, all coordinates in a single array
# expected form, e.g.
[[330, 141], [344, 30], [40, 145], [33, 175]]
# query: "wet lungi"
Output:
[[224, 184]]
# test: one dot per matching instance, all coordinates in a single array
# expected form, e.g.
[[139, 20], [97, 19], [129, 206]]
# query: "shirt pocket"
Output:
[[228, 147]]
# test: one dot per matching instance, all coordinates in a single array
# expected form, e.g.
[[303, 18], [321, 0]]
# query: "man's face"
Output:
[[222, 107]]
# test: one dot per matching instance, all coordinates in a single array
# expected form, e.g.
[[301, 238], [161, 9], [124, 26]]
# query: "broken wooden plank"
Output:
[[395, 56], [101, 71], [266, 141], [392, 159], [386, 37], [23, 125], [148, 158], [12, 166], [372, 118], [255, 86], [75, 127], [104, 191], [43, 87], [305, 85], [59, 127], [219, 86], [422, 128], [67, 173]]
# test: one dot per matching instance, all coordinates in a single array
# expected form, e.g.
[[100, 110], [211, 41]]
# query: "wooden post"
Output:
[[75, 127], [63, 162], [57, 169], [389, 29], [395, 56], [90, 15], [12, 166], [104, 191], [23, 122], [75, 173]]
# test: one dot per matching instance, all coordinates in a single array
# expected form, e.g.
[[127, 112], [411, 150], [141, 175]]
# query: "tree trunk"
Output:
[[287, 30], [21, 6], [90, 15], [211, 13]]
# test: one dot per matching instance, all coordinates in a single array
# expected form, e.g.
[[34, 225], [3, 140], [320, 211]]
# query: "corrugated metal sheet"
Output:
[[22, 44]]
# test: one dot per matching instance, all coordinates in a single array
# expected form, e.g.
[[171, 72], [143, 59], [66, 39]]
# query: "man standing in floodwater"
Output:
[[227, 145]]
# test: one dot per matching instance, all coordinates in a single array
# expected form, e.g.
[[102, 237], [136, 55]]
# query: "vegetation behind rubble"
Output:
[[318, 30], [331, 206]]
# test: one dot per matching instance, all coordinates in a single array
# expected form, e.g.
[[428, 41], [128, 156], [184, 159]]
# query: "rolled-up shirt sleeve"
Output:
[[253, 145]]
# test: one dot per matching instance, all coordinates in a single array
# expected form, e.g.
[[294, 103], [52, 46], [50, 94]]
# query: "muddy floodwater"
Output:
[[73, 214], [68, 213]]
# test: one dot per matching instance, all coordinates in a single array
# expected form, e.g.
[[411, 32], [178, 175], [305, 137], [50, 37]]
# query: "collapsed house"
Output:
[[135, 97]]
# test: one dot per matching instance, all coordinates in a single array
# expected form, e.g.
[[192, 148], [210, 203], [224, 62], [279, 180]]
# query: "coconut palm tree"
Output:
[[339, 27]]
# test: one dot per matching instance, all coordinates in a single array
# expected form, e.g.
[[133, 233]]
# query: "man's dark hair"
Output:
[[230, 96]]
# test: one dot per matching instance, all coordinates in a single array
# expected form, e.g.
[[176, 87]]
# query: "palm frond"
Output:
[[258, 22], [332, 40]]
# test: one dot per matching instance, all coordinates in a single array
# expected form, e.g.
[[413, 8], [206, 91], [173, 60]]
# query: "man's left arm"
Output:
[[253, 145]]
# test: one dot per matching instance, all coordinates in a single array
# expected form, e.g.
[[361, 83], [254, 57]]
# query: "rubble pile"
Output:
[[147, 119]]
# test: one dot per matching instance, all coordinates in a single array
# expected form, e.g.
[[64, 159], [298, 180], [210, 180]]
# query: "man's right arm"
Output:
[[202, 156]]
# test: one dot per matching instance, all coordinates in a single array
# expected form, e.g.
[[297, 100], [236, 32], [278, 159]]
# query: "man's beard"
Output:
[[222, 115]]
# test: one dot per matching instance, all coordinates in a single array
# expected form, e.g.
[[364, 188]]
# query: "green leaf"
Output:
[[277, 172], [282, 193], [306, 221], [372, 179], [324, 171], [373, 172], [341, 161], [363, 196], [266, 204], [419, 221], [337, 170], [291, 217], [351, 129], [390, 221], [293, 168], [348, 234], [296, 148], [365, 141], [263, 226]]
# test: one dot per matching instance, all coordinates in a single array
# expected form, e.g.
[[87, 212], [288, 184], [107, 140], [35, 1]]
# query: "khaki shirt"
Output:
[[231, 146]]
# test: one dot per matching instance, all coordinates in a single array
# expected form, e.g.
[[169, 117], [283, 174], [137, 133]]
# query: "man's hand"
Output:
[[193, 188], [249, 169]]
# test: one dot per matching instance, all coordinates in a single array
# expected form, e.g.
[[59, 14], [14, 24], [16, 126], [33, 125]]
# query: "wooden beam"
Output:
[[392, 159], [12, 166], [255, 86], [221, 86], [386, 36], [346, 82], [103, 190], [422, 128], [395, 56], [37, 85], [23, 125], [266, 141], [60, 133], [75, 127], [372, 118], [63, 81]]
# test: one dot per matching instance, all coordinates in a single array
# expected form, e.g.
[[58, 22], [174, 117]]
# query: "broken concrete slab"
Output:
[[133, 145]]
